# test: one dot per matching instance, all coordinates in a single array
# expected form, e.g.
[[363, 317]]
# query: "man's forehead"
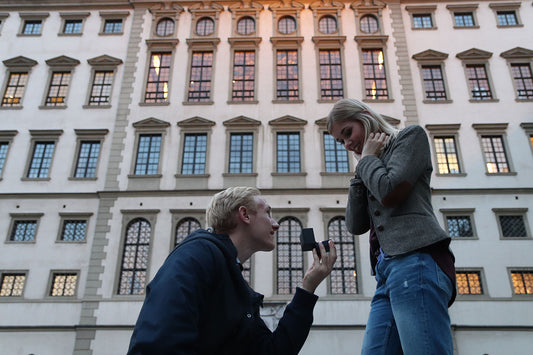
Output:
[[260, 201]]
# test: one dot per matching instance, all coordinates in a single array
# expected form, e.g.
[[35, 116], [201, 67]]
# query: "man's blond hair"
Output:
[[221, 212]]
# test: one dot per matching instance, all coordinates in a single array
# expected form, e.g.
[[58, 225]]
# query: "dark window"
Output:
[[469, 283], [87, 159], [243, 76], [205, 26], [374, 71], [369, 24], [289, 256], [12, 284], [101, 88], [113, 26], [522, 282], [41, 160], [464, 19], [447, 160], [459, 226], [433, 82], [165, 27], [23, 231], [185, 227], [512, 226], [15, 88], [57, 92], [478, 82], [507, 18], [194, 154], [330, 74], [343, 279], [64, 284], [72, 26], [286, 25], [422, 21], [288, 153], [287, 75], [327, 24], [495, 156], [200, 82], [74, 230], [335, 156], [32, 27], [241, 152], [147, 162], [3, 155], [135, 258], [158, 77], [523, 80], [246, 25]]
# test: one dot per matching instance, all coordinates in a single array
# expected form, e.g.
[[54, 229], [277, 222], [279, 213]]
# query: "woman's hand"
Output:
[[374, 144], [321, 267]]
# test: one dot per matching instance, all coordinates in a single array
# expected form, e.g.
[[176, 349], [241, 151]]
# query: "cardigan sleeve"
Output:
[[357, 218]]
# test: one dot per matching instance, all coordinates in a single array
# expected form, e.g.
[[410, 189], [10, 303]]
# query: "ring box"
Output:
[[307, 241]]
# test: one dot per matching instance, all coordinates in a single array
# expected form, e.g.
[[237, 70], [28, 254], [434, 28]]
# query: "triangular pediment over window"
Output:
[[151, 122], [322, 122], [20, 61], [430, 54], [104, 60], [287, 120], [474, 53], [241, 121], [368, 4], [517, 53], [62, 61], [196, 122]]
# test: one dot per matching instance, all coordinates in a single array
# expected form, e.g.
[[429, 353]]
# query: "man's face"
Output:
[[262, 227]]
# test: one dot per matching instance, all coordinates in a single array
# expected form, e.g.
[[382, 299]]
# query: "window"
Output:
[[101, 88], [243, 83], [288, 152], [157, 83], [287, 75], [58, 89], [135, 257], [289, 256], [241, 153], [74, 230], [343, 279], [194, 153], [113, 22], [41, 160], [512, 223], [32, 27], [331, 86], [205, 26], [200, 80], [434, 88], [507, 18], [478, 82], [4, 146], [72, 26], [374, 73], [12, 284], [528, 128], [422, 21], [463, 15], [165, 27], [459, 226], [369, 24], [522, 282], [113, 26], [464, 19], [87, 159], [63, 284], [286, 25], [523, 80], [335, 156], [495, 155], [469, 283], [446, 152], [15, 88], [148, 150], [422, 17], [327, 24], [185, 227], [246, 26], [23, 231]]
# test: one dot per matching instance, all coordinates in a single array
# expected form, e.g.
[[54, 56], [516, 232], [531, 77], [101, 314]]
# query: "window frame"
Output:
[[150, 58], [16, 65], [37, 136], [522, 212], [364, 78], [31, 16], [149, 126], [112, 16], [523, 56], [53, 274], [209, 44], [460, 212], [179, 215], [242, 100], [6, 136], [72, 16], [103, 63], [462, 9], [482, 283], [528, 130], [446, 130], [61, 64], [66, 217], [421, 11], [3, 17], [507, 7], [86, 135], [510, 271], [437, 59], [18, 272], [495, 129], [23, 217], [477, 57]]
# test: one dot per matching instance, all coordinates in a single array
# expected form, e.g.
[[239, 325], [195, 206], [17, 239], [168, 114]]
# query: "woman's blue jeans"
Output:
[[409, 311]]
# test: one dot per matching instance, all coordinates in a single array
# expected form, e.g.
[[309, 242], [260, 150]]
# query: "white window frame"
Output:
[[65, 16], [422, 10], [459, 212], [495, 129], [512, 212]]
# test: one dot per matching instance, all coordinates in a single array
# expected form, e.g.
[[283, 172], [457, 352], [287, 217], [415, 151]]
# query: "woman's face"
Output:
[[351, 134]]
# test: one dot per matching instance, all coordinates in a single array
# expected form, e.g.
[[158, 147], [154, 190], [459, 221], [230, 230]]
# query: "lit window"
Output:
[[200, 81], [57, 92], [74, 230], [507, 18], [522, 282], [464, 19], [243, 83], [72, 26], [185, 227], [165, 27], [335, 156], [327, 24], [374, 72], [113, 26], [194, 154], [469, 283], [523, 80], [241, 153], [369, 24], [330, 74], [147, 162], [135, 258], [158, 78], [422, 21], [205, 26], [459, 226], [433, 82], [286, 25], [289, 256], [3, 155], [15, 88], [512, 226], [287, 75], [478, 82], [446, 151], [101, 88], [23, 231], [12, 284], [32, 27], [246, 25], [64, 284], [495, 156], [288, 152], [41, 160], [343, 279]]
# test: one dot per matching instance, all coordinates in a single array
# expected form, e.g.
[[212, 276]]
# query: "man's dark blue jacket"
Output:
[[199, 303]]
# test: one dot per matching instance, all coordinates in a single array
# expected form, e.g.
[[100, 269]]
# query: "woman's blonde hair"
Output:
[[220, 214], [346, 110]]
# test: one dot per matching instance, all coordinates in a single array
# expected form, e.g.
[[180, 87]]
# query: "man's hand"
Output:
[[321, 267], [374, 144]]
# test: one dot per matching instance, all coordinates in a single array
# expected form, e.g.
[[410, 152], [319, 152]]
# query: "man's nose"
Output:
[[275, 225]]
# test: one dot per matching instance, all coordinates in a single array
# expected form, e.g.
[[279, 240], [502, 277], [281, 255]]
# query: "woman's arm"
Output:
[[357, 219]]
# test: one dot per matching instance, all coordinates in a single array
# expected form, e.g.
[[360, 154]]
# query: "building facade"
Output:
[[120, 119]]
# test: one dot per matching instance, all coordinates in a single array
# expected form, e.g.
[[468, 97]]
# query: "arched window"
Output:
[[246, 25], [327, 24], [289, 255], [369, 24], [185, 227], [343, 278], [135, 257], [165, 27], [205, 26], [286, 25]]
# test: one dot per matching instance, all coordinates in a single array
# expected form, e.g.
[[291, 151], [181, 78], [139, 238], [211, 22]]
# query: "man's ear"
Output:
[[243, 214]]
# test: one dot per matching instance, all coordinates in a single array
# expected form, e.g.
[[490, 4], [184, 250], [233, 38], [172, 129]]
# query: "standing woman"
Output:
[[409, 251]]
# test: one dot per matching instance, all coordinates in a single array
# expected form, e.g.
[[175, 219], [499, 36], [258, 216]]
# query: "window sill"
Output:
[[20, 242], [154, 103], [510, 26], [451, 175], [424, 28], [11, 107], [432, 102], [191, 103], [482, 101], [239, 174], [96, 106], [288, 101], [328, 173], [110, 34], [466, 27], [28, 35], [147, 176], [82, 178], [324, 101], [512, 173], [69, 34], [378, 100], [35, 179], [516, 238], [72, 241], [188, 176], [42, 107], [475, 237], [251, 102], [289, 174], [523, 100]]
